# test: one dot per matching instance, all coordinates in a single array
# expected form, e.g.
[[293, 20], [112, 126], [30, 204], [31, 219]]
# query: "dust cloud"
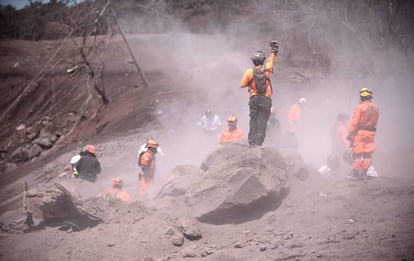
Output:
[[332, 55]]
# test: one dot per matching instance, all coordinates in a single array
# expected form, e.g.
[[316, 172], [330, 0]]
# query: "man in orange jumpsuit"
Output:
[[260, 91], [147, 163], [294, 114], [362, 133], [339, 142], [116, 191], [231, 133]]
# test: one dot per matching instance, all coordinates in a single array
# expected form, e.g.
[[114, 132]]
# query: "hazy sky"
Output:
[[18, 3]]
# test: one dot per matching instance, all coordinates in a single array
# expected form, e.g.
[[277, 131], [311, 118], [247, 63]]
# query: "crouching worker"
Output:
[[147, 163], [116, 191]]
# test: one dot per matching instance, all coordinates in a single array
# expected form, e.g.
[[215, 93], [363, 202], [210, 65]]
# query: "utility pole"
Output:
[[129, 48]]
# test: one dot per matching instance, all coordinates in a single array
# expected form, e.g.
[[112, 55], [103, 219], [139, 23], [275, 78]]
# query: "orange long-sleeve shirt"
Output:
[[341, 133], [147, 163], [228, 136], [116, 193], [294, 114], [248, 77], [365, 116]]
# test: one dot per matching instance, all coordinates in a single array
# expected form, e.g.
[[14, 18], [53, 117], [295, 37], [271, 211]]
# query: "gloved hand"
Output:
[[275, 46]]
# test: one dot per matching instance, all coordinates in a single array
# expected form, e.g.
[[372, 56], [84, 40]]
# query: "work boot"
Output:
[[352, 175]]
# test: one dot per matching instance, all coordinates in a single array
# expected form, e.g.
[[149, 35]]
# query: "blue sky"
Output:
[[18, 3]]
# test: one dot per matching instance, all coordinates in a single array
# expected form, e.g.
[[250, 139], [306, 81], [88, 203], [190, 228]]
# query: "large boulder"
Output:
[[181, 179], [241, 183], [53, 205]]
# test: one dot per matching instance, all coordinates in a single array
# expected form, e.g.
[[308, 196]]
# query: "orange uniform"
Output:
[[247, 79], [294, 114], [116, 193], [147, 163], [341, 133], [227, 135], [362, 128]]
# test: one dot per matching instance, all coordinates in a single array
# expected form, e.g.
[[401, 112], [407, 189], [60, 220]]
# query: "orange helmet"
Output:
[[152, 144], [117, 181], [90, 149]]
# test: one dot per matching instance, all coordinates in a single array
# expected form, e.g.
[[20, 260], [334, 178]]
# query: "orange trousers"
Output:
[[145, 184], [362, 149]]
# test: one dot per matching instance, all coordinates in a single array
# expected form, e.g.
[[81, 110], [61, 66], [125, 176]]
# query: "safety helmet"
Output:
[[90, 149], [152, 144], [365, 93], [232, 119], [117, 181], [302, 101], [258, 58]]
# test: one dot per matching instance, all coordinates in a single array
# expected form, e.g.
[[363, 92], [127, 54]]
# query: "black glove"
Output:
[[275, 46]]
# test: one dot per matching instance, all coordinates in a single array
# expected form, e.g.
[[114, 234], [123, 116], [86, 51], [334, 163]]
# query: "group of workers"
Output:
[[359, 136]]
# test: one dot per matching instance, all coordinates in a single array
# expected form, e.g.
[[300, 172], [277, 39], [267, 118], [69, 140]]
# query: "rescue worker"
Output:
[[339, 145], [72, 169], [147, 162], [257, 79], [339, 142], [294, 115], [210, 121], [361, 135], [116, 191], [232, 133], [88, 165]]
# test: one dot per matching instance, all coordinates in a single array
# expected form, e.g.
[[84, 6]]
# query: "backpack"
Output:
[[259, 77]]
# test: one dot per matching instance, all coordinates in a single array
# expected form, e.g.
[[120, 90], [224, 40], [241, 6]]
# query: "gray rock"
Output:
[[180, 180], [176, 238], [242, 183], [34, 151], [45, 142], [190, 230]]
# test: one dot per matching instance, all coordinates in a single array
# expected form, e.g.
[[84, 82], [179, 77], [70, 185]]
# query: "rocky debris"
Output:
[[190, 230], [31, 141], [53, 205], [242, 183], [176, 238]]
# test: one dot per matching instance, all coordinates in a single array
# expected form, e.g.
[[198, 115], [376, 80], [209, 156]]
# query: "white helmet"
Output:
[[302, 101]]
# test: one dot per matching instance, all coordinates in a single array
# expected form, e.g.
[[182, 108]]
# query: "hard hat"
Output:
[[258, 58], [117, 181], [152, 144], [232, 118], [365, 93], [302, 101], [90, 149]]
